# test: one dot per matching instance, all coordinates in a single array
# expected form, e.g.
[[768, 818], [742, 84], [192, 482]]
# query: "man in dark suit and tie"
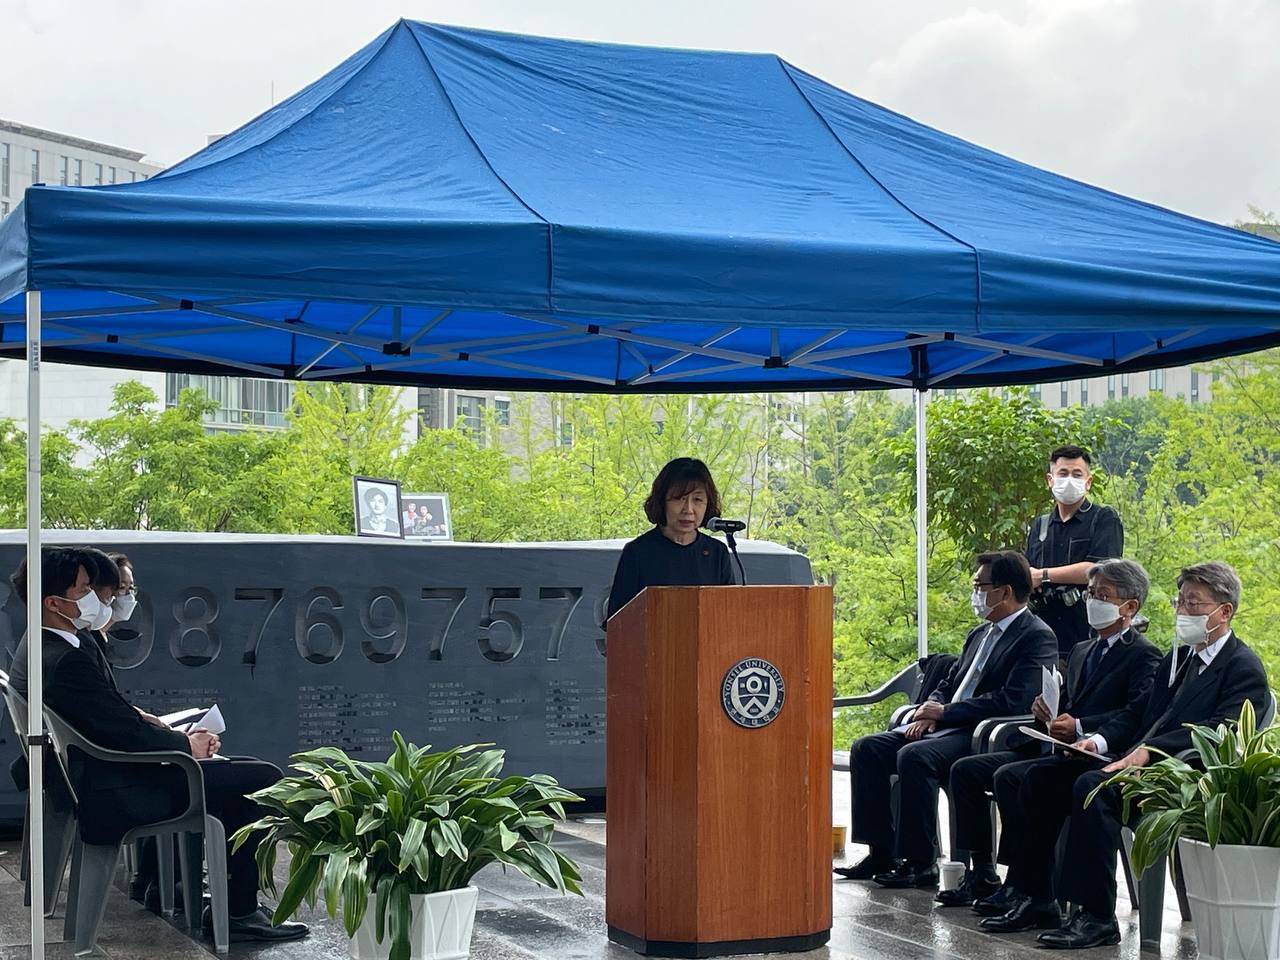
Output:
[[1110, 672], [1204, 680], [114, 797], [998, 673]]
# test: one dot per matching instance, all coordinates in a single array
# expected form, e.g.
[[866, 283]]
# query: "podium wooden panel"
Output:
[[719, 836]]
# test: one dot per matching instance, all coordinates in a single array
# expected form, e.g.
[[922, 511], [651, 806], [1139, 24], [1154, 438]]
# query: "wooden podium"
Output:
[[719, 836]]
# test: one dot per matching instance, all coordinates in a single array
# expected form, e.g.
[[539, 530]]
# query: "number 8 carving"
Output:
[[203, 624]]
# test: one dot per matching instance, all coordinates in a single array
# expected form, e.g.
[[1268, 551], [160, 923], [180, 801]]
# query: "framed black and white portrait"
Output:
[[377, 507], [425, 516]]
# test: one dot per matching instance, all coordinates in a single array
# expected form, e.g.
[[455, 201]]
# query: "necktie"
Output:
[[1092, 661], [980, 658]]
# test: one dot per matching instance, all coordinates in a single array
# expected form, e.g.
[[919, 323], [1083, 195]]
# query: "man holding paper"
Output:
[[997, 673], [1204, 680], [1107, 675]]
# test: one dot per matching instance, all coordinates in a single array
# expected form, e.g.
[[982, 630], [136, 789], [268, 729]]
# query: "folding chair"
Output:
[[93, 865], [60, 824]]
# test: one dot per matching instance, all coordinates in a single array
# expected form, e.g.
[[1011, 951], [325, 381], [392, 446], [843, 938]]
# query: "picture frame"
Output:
[[426, 516], [377, 507]]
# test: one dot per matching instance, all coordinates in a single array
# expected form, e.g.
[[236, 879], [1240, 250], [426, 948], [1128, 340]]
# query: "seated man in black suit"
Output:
[[1204, 680], [115, 797], [1109, 673], [998, 673]]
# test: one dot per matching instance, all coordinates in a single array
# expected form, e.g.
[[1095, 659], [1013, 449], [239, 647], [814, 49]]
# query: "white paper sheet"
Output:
[[1041, 735], [194, 718], [1050, 689]]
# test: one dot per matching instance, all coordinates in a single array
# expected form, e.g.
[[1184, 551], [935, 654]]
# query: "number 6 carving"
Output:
[[307, 621]]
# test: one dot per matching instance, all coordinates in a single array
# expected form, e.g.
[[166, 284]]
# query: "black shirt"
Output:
[[653, 560], [1092, 533]]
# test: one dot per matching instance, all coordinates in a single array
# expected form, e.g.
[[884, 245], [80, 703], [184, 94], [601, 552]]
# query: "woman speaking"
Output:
[[674, 553]]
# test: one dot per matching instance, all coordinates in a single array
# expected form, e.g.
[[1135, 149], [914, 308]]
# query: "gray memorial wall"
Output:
[[310, 641]]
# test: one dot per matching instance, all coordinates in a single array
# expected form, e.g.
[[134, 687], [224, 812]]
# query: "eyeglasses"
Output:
[[1182, 603], [983, 583], [1092, 595]]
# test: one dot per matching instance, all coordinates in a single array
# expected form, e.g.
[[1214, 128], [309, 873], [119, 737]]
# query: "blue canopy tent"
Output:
[[456, 207]]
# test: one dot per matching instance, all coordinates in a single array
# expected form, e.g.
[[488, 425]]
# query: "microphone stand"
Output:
[[733, 548]]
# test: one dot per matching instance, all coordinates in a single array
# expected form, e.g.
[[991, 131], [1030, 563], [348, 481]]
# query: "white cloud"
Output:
[[1172, 101]]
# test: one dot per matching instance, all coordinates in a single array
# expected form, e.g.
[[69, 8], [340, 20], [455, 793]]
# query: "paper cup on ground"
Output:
[[950, 874]]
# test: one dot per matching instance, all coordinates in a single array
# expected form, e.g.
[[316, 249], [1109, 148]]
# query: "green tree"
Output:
[[988, 455]]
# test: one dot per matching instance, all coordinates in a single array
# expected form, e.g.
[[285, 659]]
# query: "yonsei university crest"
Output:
[[752, 692]]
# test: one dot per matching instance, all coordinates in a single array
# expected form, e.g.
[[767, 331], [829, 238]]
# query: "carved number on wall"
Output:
[[311, 626], [510, 625]]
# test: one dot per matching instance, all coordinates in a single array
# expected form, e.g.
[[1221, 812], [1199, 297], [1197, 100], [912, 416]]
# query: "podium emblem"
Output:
[[752, 692]]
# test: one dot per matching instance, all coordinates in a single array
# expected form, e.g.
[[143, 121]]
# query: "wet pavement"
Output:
[[519, 921]]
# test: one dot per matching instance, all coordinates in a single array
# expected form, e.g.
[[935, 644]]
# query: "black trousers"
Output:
[[972, 780], [921, 766], [1093, 840], [158, 793], [1035, 798]]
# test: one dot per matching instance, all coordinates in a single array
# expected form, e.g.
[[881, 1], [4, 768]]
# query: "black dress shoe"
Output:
[[909, 873], [864, 869], [1027, 915], [972, 887], [1083, 930], [999, 903], [258, 926]]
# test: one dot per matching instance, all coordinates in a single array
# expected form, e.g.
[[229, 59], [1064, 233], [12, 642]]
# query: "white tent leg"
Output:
[[922, 530], [35, 653]]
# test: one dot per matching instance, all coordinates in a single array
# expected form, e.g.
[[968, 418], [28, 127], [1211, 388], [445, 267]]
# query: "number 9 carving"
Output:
[[396, 630], [307, 622]]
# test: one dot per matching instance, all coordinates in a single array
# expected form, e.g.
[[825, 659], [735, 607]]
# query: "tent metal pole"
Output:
[[35, 655], [922, 529]]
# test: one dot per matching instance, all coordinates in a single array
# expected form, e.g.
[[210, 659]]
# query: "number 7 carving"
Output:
[[272, 595], [456, 596], [574, 596]]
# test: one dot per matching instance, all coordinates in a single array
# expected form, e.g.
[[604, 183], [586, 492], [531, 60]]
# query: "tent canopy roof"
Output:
[[461, 207]]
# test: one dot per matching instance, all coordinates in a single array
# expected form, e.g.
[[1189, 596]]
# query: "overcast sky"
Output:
[[1172, 101]]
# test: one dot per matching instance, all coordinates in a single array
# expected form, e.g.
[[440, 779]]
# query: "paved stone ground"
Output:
[[518, 921]]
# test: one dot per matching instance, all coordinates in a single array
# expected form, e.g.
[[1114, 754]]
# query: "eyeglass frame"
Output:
[[1182, 603]]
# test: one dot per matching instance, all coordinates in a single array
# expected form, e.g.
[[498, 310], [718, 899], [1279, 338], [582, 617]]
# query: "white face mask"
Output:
[[90, 607], [1192, 630], [102, 618], [1068, 490], [978, 600], [1102, 613], [123, 606]]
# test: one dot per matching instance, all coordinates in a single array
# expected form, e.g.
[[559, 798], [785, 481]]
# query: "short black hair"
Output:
[[1009, 568], [676, 479], [372, 492], [120, 560], [1069, 451], [59, 570], [104, 572]]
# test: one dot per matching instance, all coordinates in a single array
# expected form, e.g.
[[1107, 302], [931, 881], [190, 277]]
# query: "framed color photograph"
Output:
[[377, 505], [425, 516]]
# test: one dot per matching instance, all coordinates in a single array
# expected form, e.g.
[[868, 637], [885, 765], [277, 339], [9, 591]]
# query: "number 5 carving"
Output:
[[493, 617]]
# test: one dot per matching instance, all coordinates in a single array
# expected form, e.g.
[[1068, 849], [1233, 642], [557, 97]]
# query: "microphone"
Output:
[[717, 525]]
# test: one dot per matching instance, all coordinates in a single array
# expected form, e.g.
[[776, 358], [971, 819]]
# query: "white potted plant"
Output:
[[1223, 813], [395, 844]]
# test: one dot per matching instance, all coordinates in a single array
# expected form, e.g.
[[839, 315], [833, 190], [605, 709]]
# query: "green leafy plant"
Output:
[[419, 823], [1234, 799]]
